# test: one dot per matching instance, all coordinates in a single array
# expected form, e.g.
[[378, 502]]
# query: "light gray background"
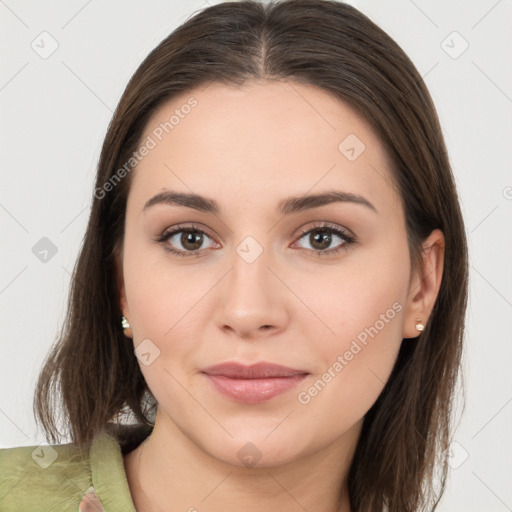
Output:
[[55, 112]]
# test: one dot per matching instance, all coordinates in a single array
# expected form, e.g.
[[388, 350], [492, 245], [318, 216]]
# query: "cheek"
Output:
[[161, 301], [168, 305], [161, 294], [366, 292], [367, 332], [352, 370], [363, 303]]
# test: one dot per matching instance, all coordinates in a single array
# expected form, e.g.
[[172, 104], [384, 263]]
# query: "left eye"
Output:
[[322, 237]]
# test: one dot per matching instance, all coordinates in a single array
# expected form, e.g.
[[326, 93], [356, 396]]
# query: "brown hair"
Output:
[[92, 370]]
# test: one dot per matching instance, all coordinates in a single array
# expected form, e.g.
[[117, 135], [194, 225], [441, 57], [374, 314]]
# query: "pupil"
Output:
[[326, 236]]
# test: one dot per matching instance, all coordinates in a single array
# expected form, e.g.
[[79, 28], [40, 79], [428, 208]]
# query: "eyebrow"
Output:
[[287, 206]]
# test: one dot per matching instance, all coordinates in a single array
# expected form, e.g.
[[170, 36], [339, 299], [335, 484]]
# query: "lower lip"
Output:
[[253, 391]]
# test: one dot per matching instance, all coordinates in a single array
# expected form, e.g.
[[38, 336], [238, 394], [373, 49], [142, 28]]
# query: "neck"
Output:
[[168, 471]]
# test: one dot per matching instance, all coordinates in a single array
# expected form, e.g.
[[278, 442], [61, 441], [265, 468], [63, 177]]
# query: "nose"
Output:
[[252, 301]]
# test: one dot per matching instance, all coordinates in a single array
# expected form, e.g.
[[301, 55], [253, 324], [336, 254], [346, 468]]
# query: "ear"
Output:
[[424, 284], [120, 284]]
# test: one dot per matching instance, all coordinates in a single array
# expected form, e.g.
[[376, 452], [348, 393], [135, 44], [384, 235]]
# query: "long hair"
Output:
[[91, 371]]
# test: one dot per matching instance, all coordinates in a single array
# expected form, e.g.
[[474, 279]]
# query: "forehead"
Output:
[[264, 139]]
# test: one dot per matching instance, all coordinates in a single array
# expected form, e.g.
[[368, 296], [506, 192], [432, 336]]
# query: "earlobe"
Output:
[[425, 285]]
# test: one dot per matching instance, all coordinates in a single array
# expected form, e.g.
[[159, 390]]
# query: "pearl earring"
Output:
[[126, 327], [419, 325]]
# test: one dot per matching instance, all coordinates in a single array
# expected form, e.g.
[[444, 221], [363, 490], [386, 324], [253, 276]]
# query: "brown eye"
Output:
[[189, 241], [322, 238]]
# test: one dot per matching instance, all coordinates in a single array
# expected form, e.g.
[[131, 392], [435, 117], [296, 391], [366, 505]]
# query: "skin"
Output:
[[248, 148]]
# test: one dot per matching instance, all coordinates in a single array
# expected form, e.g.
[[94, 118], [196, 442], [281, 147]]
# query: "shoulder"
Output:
[[43, 477], [62, 477]]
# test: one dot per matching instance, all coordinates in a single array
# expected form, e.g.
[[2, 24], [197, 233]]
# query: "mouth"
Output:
[[254, 383]]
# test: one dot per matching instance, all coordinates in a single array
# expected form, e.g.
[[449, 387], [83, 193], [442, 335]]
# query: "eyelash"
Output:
[[347, 238]]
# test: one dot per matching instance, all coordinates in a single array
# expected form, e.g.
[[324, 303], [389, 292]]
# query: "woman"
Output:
[[267, 310]]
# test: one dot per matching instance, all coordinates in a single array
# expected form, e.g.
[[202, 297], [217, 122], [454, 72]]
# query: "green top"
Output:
[[62, 478]]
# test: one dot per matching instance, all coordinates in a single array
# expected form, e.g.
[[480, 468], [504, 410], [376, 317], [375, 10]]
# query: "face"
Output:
[[322, 286]]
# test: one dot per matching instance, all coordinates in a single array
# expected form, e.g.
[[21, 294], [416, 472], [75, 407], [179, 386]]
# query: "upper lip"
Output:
[[260, 370]]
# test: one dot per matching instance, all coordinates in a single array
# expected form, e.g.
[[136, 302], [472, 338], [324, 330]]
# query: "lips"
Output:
[[261, 370], [253, 383]]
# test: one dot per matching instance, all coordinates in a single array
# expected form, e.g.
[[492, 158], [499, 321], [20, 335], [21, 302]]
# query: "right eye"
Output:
[[190, 238]]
